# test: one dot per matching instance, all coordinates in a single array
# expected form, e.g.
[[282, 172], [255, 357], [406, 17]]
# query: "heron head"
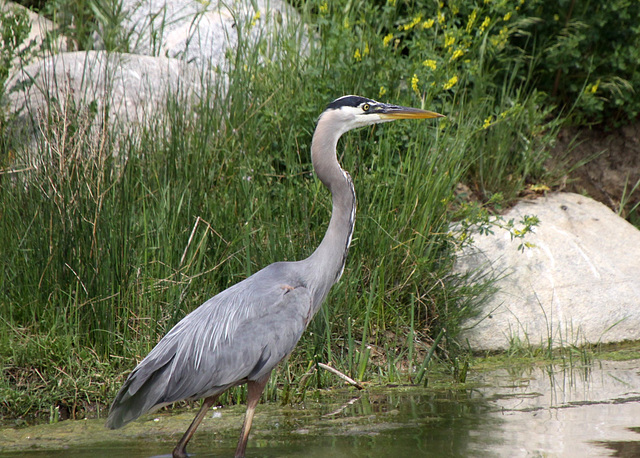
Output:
[[352, 111]]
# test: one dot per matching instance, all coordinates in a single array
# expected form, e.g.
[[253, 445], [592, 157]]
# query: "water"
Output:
[[536, 411]]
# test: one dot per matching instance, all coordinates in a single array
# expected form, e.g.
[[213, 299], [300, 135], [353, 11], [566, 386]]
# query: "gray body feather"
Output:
[[208, 350]]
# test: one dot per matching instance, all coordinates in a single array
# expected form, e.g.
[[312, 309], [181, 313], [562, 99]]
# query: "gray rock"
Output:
[[176, 45], [204, 32], [125, 88], [579, 284]]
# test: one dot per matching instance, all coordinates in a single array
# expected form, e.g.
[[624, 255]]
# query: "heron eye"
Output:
[[365, 107]]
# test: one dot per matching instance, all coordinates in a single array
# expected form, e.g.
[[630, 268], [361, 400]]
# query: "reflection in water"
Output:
[[404, 423], [627, 449], [539, 411], [566, 412]]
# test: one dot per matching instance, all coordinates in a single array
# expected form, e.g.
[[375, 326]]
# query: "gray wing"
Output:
[[238, 335]]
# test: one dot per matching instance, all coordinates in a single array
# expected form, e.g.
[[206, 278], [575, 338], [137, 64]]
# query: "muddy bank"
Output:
[[612, 164]]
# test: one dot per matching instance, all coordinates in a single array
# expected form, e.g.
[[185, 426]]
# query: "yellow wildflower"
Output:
[[540, 188], [365, 52], [457, 53], [345, 23], [501, 39], [428, 24], [487, 123], [324, 8], [414, 84], [387, 39], [507, 16], [593, 88], [441, 18], [416, 20], [472, 20], [255, 18], [382, 91], [357, 55], [454, 9], [449, 41], [452, 82], [556, 17], [485, 23], [430, 63]]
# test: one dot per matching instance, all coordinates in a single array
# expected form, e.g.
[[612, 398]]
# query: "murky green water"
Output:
[[540, 411]]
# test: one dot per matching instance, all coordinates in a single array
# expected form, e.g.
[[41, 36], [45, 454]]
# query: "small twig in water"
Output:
[[347, 379]]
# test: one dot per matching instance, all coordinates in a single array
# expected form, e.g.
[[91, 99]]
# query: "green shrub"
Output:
[[587, 56], [14, 30], [457, 58]]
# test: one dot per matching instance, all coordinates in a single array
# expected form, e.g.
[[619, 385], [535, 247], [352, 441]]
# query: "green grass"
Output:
[[108, 242]]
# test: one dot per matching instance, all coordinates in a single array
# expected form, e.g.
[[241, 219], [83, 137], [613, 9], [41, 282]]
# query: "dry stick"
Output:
[[341, 375], [193, 232]]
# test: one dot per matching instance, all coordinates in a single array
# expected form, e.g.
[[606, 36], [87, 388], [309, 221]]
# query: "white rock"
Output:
[[175, 44], [204, 32], [579, 284], [133, 87]]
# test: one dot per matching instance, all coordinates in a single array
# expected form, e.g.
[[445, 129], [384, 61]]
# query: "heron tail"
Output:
[[143, 391]]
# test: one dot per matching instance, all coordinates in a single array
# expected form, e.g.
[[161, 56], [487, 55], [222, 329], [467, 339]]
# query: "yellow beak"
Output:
[[398, 112]]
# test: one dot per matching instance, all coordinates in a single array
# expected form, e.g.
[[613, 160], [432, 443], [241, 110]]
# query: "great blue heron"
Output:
[[242, 333]]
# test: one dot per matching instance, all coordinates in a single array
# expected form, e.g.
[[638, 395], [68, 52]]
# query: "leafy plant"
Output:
[[14, 30], [587, 56], [81, 22]]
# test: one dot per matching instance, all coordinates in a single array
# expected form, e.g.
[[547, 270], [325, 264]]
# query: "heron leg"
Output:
[[254, 391], [180, 450]]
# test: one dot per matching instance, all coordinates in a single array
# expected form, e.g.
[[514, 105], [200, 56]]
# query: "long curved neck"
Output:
[[327, 261]]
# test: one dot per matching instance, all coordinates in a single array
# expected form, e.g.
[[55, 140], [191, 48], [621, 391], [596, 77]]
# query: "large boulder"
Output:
[[579, 283], [204, 32], [176, 45], [120, 89]]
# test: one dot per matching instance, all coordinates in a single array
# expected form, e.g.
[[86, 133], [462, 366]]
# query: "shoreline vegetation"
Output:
[[107, 240]]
